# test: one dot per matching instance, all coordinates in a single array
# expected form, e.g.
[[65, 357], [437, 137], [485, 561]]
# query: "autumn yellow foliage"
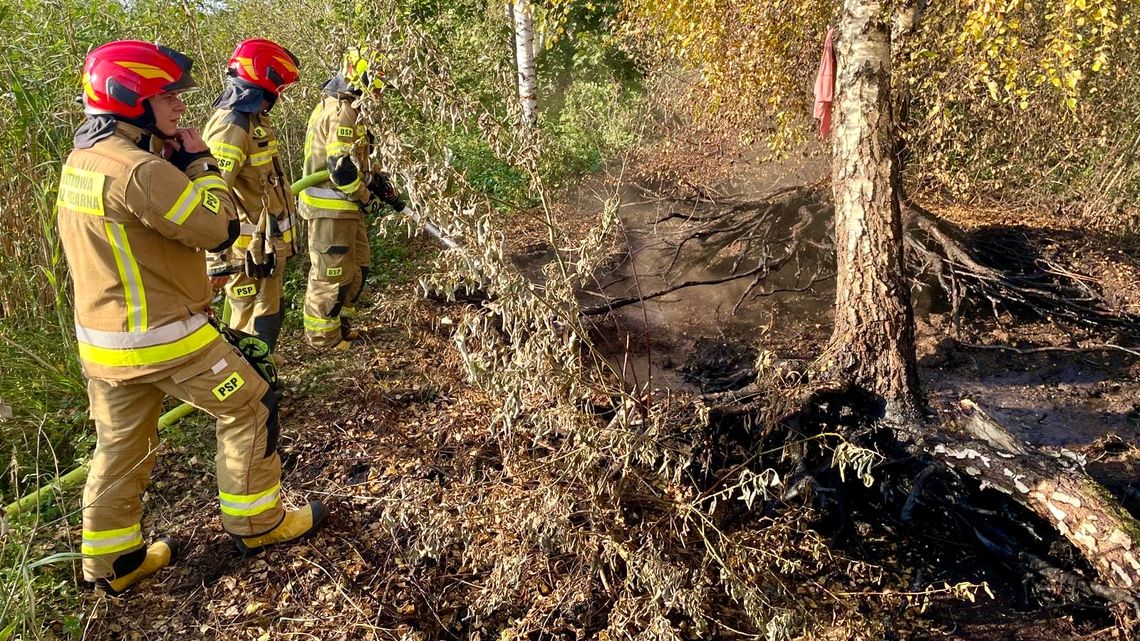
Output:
[[1005, 95]]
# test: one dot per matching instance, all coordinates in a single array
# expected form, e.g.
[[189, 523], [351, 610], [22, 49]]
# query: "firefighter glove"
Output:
[[258, 262], [182, 160], [260, 257], [342, 171], [373, 208], [382, 188]]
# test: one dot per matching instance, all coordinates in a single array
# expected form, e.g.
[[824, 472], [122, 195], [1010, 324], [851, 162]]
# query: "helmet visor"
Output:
[[184, 82]]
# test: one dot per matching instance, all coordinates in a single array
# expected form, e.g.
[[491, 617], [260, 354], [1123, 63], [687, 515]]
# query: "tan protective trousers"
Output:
[[257, 305], [338, 250], [126, 416]]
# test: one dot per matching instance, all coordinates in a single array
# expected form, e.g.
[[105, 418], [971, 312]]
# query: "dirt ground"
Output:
[[1053, 384], [394, 421]]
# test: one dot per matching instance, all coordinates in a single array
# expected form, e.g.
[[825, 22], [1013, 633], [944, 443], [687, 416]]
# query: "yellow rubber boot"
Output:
[[297, 524], [159, 554]]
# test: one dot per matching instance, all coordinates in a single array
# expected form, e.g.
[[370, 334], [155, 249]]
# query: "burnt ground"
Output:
[[394, 425], [1053, 383]]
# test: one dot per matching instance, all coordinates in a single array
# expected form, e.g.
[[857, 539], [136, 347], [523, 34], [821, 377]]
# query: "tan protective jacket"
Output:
[[133, 228], [245, 146], [334, 129]]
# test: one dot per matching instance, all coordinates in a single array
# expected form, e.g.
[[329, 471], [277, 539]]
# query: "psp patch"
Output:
[[345, 132], [334, 271], [259, 132], [233, 383], [245, 291], [211, 202], [226, 164]]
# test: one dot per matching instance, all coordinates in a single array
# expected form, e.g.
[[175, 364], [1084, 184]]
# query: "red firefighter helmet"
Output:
[[120, 75], [264, 63]]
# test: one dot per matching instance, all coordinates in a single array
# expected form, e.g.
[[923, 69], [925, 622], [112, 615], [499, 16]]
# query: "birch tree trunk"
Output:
[[1055, 486], [872, 344], [524, 60]]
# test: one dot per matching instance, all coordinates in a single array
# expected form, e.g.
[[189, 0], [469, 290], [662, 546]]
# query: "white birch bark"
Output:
[[524, 59], [872, 343]]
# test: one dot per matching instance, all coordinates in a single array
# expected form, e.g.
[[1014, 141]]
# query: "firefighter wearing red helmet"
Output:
[[138, 201], [244, 142], [336, 139]]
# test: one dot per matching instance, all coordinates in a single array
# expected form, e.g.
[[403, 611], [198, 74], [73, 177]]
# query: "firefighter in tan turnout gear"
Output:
[[138, 200], [243, 141], [335, 210]]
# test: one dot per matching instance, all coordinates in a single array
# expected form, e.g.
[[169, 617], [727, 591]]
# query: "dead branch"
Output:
[[1037, 350]]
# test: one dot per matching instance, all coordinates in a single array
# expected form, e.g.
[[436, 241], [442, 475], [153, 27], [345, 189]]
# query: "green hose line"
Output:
[[175, 415], [310, 180], [79, 474]]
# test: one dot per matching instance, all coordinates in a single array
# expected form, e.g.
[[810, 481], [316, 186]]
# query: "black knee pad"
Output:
[[268, 328], [272, 402], [363, 282]]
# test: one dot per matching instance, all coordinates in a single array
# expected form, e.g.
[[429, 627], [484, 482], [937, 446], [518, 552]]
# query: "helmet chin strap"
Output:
[[147, 122]]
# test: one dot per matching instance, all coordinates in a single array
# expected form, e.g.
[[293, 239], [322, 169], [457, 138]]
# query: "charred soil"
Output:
[[387, 432]]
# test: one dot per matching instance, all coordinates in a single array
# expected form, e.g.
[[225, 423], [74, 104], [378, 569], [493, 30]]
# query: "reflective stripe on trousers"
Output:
[[111, 541], [158, 345], [318, 324], [249, 504]]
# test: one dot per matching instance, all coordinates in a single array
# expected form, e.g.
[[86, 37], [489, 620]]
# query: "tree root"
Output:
[[937, 250], [953, 469], [1000, 273]]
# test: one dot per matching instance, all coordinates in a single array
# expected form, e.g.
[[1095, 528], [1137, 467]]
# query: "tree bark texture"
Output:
[[872, 344], [1055, 486], [524, 59]]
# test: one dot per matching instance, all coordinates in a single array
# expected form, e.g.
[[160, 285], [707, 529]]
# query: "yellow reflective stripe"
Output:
[[337, 148], [318, 324], [287, 235], [134, 296], [264, 157], [210, 181], [81, 191], [185, 204], [225, 150], [152, 355], [111, 541], [329, 203], [352, 186], [249, 504]]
